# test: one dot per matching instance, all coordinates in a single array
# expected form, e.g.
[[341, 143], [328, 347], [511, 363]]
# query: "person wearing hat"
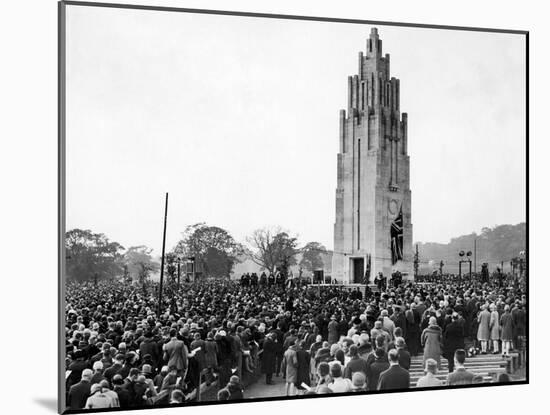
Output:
[[176, 396], [112, 395], [290, 369], [150, 347], [120, 389], [507, 325], [269, 357], [387, 324], [395, 377], [429, 379], [379, 365], [356, 364], [79, 392], [147, 372], [431, 341], [78, 364], [453, 339], [225, 356], [339, 383], [412, 329], [333, 330], [235, 389], [404, 355], [97, 398], [115, 368], [494, 324], [98, 373], [323, 375], [483, 328], [378, 331], [358, 382]]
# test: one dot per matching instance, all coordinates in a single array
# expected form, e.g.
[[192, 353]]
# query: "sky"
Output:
[[237, 118]]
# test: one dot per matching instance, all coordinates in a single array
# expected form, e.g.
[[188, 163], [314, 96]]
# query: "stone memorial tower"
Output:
[[373, 229]]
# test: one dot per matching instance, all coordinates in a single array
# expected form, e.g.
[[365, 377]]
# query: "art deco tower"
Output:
[[373, 230]]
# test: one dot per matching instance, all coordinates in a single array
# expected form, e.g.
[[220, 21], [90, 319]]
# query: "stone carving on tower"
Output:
[[373, 229]]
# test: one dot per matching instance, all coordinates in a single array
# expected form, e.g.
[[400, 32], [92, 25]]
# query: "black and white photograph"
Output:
[[261, 207]]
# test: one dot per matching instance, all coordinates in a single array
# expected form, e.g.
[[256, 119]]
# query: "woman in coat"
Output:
[[431, 341], [494, 325], [290, 369], [483, 328], [507, 324]]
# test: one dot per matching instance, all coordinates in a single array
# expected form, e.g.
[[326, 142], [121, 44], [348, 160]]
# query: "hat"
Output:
[[146, 369], [117, 379], [234, 379], [95, 387], [358, 379], [222, 333]]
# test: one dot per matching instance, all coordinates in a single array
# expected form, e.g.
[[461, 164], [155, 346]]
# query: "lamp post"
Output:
[[468, 254]]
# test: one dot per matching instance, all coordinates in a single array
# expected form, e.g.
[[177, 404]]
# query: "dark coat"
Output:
[[404, 359], [373, 373], [519, 321], [303, 367], [394, 378], [76, 369], [356, 364], [123, 396], [507, 324], [211, 353], [78, 393], [111, 371], [151, 347], [453, 338], [268, 356], [333, 334]]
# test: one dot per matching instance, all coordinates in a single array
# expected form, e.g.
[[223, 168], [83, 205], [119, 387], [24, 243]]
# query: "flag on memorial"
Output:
[[396, 234]]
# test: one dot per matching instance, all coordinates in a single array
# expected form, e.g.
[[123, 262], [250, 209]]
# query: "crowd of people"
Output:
[[122, 352]]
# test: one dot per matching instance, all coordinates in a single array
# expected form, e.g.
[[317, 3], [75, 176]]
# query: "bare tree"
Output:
[[273, 248]]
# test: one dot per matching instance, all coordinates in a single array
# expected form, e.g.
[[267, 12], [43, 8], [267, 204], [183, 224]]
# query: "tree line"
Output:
[[93, 256], [493, 245]]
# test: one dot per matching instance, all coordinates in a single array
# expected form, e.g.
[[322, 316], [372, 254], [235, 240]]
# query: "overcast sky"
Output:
[[237, 118]]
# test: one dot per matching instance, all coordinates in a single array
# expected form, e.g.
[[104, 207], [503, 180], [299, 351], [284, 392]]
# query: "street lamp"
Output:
[[468, 254]]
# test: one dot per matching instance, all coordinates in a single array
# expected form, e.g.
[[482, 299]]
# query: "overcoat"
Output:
[[507, 324], [483, 319], [268, 356], [431, 340], [494, 324]]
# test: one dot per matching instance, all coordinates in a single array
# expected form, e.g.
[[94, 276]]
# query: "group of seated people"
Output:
[[121, 352]]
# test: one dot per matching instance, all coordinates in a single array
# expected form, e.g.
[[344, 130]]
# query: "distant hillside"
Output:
[[494, 245]]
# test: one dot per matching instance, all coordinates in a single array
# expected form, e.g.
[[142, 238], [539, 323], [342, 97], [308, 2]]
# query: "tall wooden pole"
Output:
[[162, 258]]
